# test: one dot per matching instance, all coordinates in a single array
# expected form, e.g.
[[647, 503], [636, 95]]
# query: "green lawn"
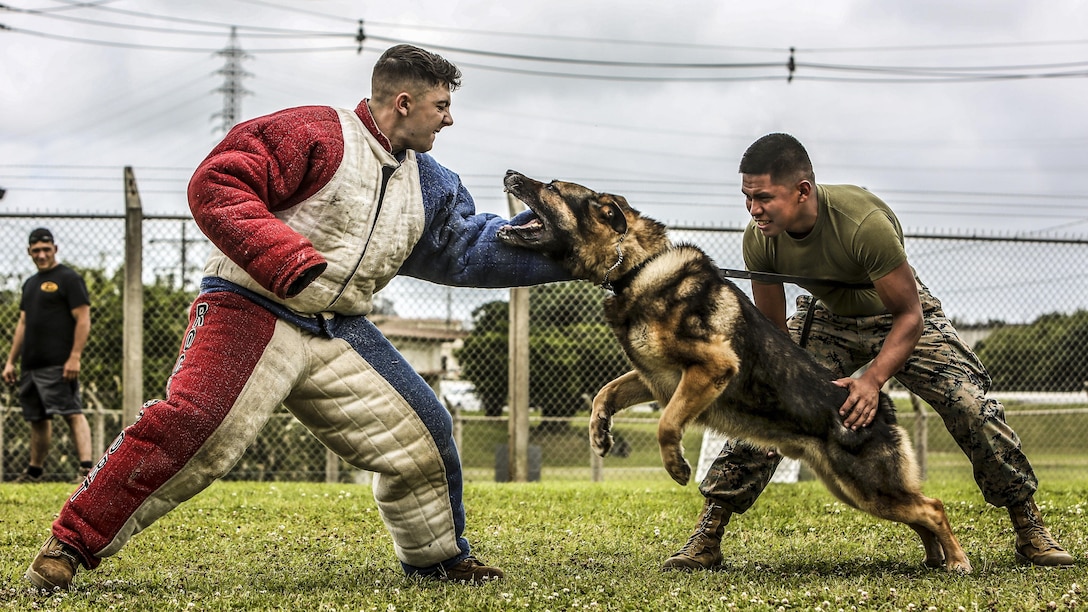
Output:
[[564, 546], [1054, 443]]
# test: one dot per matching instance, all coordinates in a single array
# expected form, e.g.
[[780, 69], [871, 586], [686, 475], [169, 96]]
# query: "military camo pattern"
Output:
[[943, 371]]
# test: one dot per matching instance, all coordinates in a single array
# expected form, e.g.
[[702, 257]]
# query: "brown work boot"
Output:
[[1034, 544], [704, 547], [54, 566], [470, 571]]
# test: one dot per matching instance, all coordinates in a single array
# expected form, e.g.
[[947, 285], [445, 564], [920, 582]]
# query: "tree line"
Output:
[[574, 353]]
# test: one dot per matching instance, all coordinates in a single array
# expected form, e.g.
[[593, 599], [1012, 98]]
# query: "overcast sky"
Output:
[[964, 116]]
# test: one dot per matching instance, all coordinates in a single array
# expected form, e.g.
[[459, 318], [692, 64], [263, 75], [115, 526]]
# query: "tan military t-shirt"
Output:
[[857, 238]]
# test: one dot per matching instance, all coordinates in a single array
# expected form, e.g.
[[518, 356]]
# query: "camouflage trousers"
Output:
[[943, 371]]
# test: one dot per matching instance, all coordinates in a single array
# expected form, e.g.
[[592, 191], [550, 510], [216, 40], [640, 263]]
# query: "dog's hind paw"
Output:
[[603, 445], [681, 475], [600, 437]]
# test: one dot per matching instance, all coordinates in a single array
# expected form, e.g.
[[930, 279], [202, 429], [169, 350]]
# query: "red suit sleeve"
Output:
[[262, 166]]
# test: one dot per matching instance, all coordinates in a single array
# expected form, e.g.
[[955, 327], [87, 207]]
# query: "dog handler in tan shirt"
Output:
[[847, 235]]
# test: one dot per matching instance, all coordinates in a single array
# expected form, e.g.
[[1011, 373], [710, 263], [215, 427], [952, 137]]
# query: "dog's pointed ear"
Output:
[[612, 208]]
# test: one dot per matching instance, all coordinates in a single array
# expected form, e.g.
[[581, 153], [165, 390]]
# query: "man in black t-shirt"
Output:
[[54, 323]]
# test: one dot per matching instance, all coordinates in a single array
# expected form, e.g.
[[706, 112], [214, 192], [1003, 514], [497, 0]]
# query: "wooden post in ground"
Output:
[[596, 462], [519, 375]]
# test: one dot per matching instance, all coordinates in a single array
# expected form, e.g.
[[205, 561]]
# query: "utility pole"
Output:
[[232, 89], [183, 243]]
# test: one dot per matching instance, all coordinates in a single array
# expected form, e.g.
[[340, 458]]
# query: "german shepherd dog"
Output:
[[701, 349]]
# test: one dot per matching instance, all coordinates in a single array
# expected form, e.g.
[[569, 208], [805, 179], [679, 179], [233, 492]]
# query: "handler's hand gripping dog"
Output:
[[702, 350]]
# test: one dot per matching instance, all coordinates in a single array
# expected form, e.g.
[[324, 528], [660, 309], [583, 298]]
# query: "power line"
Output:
[[595, 39], [218, 25], [874, 73], [174, 48], [92, 167], [948, 47], [641, 186], [143, 28], [670, 77]]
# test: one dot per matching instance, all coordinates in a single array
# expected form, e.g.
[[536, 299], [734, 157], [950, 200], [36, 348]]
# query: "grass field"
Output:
[[1053, 437], [564, 546]]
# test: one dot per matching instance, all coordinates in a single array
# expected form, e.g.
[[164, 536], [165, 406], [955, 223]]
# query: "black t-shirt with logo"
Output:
[[48, 300]]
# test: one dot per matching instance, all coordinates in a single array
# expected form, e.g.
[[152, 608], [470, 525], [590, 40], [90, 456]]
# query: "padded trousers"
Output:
[[239, 361]]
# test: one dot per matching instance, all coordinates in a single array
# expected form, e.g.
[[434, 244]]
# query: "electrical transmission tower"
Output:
[[232, 89]]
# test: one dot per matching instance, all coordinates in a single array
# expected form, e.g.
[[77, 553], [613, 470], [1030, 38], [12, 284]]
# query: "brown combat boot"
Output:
[[54, 567], [1034, 544], [704, 547], [470, 571]]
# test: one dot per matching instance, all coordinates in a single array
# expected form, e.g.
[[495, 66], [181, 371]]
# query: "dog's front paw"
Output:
[[600, 435], [676, 465]]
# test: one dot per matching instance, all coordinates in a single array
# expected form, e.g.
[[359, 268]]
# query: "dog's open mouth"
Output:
[[533, 228], [532, 232], [529, 229]]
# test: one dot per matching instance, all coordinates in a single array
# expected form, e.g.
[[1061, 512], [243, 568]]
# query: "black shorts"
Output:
[[44, 393]]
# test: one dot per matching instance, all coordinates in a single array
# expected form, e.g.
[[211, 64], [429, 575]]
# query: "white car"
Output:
[[460, 394]]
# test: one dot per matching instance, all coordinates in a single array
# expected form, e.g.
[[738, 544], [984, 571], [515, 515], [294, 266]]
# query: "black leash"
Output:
[[771, 277], [806, 326]]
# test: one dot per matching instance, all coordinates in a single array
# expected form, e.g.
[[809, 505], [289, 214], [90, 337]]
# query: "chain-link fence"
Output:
[[1020, 302]]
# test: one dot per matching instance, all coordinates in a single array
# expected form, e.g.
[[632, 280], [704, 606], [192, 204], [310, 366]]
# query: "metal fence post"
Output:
[[132, 371]]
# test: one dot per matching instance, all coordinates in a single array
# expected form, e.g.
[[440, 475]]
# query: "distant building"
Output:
[[427, 344], [972, 335]]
